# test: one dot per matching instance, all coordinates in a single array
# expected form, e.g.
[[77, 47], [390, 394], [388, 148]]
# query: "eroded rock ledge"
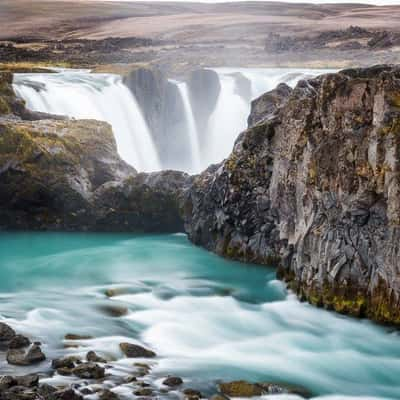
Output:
[[313, 188]]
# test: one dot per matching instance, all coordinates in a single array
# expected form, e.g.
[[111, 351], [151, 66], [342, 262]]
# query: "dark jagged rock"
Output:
[[240, 389], [314, 189], [73, 336], [113, 310], [136, 351], [91, 356], [108, 395], [19, 341], [89, 370], [143, 392], [172, 381], [33, 355], [248, 389], [66, 394], [6, 332], [265, 105], [192, 394], [65, 362], [145, 202]]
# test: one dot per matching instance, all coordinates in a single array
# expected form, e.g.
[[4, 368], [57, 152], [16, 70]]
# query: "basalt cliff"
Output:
[[312, 187]]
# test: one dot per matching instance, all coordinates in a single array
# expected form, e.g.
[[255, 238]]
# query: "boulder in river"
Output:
[[108, 395], [33, 355], [172, 381], [240, 389], [91, 356], [136, 351], [66, 362], [6, 332], [89, 370], [18, 342], [73, 336]]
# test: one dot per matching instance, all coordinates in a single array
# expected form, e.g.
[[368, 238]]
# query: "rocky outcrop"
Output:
[[267, 103], [313, 188]]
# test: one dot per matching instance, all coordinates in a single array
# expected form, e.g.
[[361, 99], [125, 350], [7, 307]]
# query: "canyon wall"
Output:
[[313, 189]]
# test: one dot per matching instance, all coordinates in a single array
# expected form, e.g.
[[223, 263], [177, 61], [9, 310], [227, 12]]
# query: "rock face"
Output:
[[313, 188], [267, 103]]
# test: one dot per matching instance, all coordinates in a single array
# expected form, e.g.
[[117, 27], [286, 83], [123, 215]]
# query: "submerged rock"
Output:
[[113, 310], [172, 381], [108, 395], [66, 362], [66, 394], [136, 351], [91, 356], [89, 370], [143, 392], [73, 336], [191, 394], [219, 396], [240, 389]]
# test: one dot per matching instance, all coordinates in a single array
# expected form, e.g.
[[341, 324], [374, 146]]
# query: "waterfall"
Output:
[[226, 122], [81, 94], [191, 126], [230, 115], [94, 96]]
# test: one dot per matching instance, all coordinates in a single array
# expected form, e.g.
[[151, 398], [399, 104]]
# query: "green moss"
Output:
[[377, 305], [4, 107]]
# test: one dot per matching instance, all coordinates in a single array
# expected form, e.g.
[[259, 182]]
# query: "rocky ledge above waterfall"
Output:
[[58, 173], [313, 188]]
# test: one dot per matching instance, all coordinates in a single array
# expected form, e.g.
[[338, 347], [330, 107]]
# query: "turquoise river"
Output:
[[207, 318]]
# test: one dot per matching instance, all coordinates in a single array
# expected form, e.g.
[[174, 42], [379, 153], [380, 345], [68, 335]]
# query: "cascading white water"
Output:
[[81, 94], [230, 115], [226, 122], [104, 97], [191, 124]]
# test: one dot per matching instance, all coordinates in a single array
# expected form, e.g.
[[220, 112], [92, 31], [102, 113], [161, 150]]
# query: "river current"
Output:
[[207, 318]]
